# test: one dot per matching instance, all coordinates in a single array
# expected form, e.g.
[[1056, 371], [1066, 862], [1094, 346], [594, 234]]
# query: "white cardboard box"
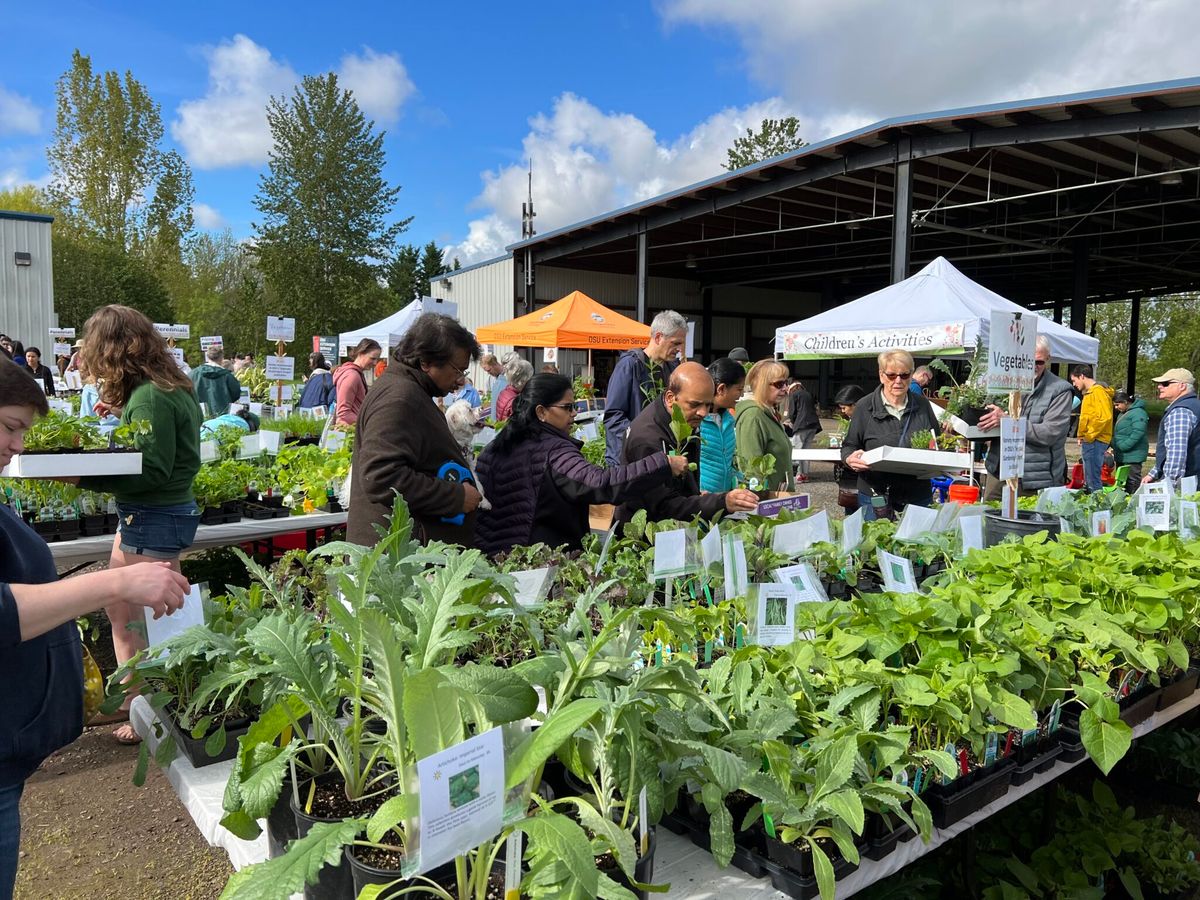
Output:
[[970, 432], [817, 454], [69, 465], [921, 463]]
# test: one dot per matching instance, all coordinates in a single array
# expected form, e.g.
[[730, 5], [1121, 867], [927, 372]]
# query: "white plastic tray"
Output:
[[70, 465], [830, 454], [921, 463]]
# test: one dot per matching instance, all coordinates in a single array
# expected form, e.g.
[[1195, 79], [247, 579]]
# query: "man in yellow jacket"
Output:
[[1095, 422]]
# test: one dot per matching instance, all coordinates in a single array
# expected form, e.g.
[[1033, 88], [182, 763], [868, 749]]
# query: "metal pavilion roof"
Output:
[[1014, 193]]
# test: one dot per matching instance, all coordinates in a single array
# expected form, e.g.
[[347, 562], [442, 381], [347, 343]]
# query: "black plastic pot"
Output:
[[362, 874], [212, 515], [1034, 759], [643, 869], [1139, 706], [68, 530], [334, 882], [884, 835], [91, 526], [953, 802], [1180, 689], [972, 414], [193, 748], [1071, 745], [48, 530], [111, 520], [997, 527], [281, 823], [800, 861]]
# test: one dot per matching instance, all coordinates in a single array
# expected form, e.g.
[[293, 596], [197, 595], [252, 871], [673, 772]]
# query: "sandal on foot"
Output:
[[126, 735], [112, 718]]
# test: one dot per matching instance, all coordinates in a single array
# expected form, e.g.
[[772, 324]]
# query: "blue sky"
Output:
[[615, 102]]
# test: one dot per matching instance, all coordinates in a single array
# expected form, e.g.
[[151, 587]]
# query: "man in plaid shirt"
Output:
[[1178, 452]]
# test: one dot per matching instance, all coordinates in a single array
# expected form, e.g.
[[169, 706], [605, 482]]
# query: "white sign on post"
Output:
[[1187, 485], [550, 354], [1011, 345], [281, 329], [462, 797], [1189, 519], [177, 352], [179, 332], [62, 349], [1012, 447], [57, 333], [689, 348], [281, 368], [213, 340]]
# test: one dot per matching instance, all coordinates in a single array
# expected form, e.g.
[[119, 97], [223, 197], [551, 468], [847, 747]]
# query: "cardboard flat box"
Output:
[[830, 454], [70, 465], [920, 463]]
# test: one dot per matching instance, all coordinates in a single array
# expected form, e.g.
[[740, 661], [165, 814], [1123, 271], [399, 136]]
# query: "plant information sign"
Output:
[[1012, 447], [281, 329], [1011, 344], [281, 368]]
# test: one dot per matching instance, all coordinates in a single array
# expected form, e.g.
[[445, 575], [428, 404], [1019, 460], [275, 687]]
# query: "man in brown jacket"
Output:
[[402, 442]]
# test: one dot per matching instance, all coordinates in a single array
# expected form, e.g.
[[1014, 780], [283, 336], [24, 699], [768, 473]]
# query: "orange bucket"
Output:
[[963, 493]]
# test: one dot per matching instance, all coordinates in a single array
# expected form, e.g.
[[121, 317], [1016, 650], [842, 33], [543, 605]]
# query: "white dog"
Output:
[[463, 420]]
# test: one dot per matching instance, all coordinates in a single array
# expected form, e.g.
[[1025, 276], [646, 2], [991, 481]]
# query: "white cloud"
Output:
[[586, 162], [18, 115], [228, 125], [207, 217], [885, 59], [379, 82]]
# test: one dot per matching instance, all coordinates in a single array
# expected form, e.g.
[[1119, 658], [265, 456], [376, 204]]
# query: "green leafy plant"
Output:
[[682, 432]]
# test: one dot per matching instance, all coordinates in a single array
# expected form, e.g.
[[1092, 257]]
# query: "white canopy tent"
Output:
[[388, 331], [937, 312]]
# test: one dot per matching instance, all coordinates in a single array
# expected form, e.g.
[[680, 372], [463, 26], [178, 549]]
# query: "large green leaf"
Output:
[[1011, 710], [1105, 737], [394, 811], [431, 713], [568, 843], [835, 765], [823, 869], [288, 644], [847, 805], [279, 878], [387, 681], [534, 750], [504, 695]]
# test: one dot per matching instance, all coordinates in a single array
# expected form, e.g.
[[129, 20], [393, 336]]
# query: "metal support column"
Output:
[[530, 289], [1079, 288], [1058, 313], [1135, 325], [706, 325], [829, 299], [902, 213], [642, 278]]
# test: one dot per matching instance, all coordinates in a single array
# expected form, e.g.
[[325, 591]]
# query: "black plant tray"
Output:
[[1180, 689], [798, 864], [213, 515], [254, 511], [883, 840], [92, 526], [1071, 744], [953, 802], [1035, 759], [194, 750], [111, 521], [743, 859], [1139, 706]]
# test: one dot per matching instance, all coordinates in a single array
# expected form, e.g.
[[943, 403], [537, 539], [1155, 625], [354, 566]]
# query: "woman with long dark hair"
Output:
[[140, 381], [537, 480], [41, 671]]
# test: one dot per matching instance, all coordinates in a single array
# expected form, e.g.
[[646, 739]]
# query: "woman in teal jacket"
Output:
[[759, 429], [1130, 446], [717, 435]]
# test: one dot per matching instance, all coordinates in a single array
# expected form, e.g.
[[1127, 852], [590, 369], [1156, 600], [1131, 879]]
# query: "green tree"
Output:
[[27, 198], [403, 273], [774, 138], [107, 171], [89, 273], [433, 263], [327, 211]]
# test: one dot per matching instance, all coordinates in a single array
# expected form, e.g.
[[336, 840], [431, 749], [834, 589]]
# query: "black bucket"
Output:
[[997, 527]]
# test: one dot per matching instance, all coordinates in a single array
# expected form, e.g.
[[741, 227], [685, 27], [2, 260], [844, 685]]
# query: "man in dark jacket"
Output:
[[402, 441], [801, 422], [216, 386], [888, 417], [639, 377], [691, 387]]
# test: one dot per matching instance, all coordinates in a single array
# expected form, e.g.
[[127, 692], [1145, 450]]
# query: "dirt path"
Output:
[[87, 832]]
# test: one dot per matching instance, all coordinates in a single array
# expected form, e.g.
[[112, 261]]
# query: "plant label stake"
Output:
[[993, 742], [512, 866], [643, 822]]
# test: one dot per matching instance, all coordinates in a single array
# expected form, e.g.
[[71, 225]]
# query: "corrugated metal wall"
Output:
[[26, 292], [484, 295]]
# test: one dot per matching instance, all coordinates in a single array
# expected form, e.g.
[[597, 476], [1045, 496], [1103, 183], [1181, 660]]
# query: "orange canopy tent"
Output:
[[575, 322]]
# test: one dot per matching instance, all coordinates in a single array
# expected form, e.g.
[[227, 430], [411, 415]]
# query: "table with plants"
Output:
[[888, 724]]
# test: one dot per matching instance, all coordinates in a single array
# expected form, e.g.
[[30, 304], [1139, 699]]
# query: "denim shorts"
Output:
[[160, 532]]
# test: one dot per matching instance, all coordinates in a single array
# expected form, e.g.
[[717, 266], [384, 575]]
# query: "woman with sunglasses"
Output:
[[758, 424], [538, 481], [888, 417]]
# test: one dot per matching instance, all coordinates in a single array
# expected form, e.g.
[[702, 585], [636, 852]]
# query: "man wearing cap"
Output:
[[1129, 444], [1178, 452]]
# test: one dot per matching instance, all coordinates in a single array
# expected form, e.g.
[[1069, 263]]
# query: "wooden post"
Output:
[[1014, 483]]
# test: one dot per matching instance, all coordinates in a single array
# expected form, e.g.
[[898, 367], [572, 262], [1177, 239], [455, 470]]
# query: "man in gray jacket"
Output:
[[1047, 409]]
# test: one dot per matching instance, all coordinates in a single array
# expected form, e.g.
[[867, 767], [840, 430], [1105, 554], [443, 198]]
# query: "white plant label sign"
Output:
[[1187, 485], [971, 528], [532, 586], [1101, 522], [946, 517], [774, 614], [1189, 519], [1011, 342], [281, 368], [179, 332], [212, 340], [898, 575], [1154, 512], [852, 530], [164, 627], [710, 547], [64, 333], [670, 553], [793, 538], [63, 349], [1012, 447], [280, 328], [916, 523], [177, 353], [462, 798], [803, 579]]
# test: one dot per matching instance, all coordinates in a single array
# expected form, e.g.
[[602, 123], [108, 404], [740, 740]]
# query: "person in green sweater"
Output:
[[758, 426], [158, 514], [1130, 446], [216, 387]]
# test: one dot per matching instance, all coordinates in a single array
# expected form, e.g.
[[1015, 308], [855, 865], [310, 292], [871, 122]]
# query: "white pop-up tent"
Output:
[[937, 312], [388, 331]]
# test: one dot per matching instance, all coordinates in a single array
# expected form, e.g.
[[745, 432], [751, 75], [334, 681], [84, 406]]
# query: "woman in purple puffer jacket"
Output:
[[538, 481]]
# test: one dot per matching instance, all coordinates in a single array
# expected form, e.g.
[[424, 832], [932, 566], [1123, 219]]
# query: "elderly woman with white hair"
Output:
[[517, 373], [888, 417]]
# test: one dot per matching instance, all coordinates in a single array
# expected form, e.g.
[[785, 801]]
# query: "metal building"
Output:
[[26, 278]]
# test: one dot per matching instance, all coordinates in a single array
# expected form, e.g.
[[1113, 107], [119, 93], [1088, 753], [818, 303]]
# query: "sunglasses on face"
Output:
[[896, 376], [1039, 362], [779, 385], [1165, 384]]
